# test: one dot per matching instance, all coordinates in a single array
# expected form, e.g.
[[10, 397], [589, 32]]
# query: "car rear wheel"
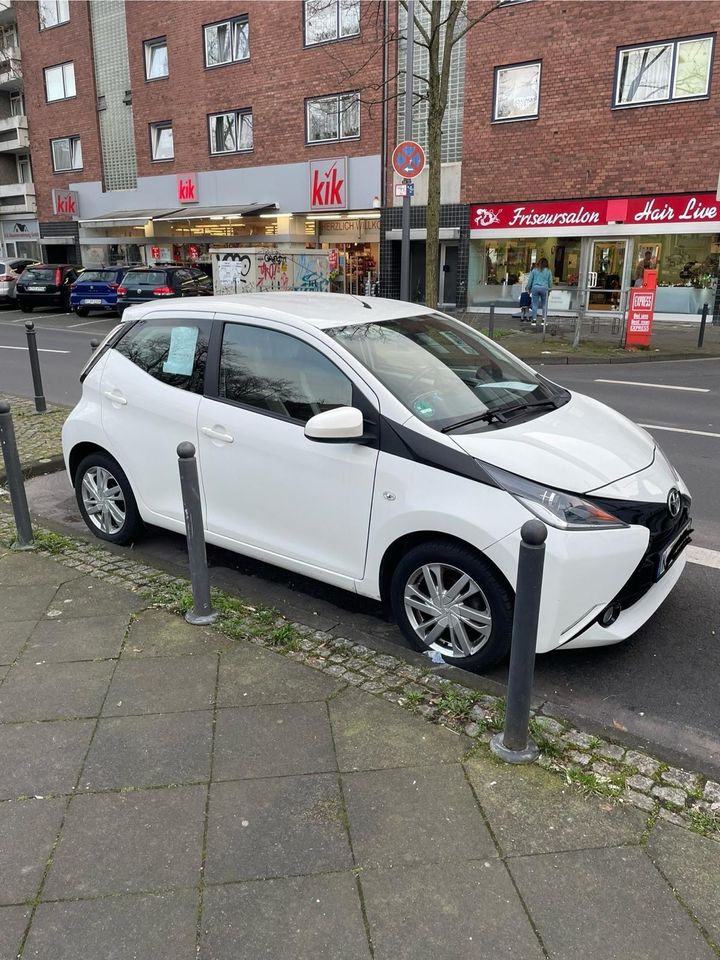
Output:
[[82, 311], [449, 600], [26, 308], [106, 500]]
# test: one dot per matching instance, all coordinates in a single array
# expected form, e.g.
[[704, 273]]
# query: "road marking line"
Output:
[[89, 323], [40, 349], [658, 386], [697, 433], [703, 556]]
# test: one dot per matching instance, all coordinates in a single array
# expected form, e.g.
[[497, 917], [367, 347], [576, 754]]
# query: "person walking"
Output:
[[539, 285]]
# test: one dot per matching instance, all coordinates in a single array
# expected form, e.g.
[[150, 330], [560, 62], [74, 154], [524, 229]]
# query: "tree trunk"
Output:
[[432, 243]]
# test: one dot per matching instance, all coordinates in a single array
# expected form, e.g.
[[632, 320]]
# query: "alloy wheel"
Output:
[[447, 610], [103, 500]]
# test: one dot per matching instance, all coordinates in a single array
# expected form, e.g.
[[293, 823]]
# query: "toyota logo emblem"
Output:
[[674, 502]]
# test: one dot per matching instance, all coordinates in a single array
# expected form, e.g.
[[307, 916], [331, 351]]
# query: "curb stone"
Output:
[[594, 766]]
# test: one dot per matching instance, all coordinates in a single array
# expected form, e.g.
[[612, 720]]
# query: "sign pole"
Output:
[[405, 242]]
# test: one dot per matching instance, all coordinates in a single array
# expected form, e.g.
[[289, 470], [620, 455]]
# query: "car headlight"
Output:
[[567, 511]]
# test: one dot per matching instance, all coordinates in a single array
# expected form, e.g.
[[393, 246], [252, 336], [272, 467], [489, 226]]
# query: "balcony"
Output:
[[17, 198], [14, 135], [10, 69], [7, 13]]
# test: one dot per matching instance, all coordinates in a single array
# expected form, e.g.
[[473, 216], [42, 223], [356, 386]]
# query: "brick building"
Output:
[[581, 132]]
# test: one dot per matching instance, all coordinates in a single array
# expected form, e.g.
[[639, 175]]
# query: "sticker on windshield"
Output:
[[423, 408], [181, 355]]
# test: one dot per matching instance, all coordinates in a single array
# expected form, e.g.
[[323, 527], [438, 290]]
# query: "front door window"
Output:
[[605, 276]]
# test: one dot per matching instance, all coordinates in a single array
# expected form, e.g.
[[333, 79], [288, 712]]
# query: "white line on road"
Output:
[[40, 349], [703, 556], [90, 323], [658, 386], [697, 433]]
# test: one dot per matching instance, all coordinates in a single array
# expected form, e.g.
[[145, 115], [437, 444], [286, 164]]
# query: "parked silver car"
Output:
[[10, 270]]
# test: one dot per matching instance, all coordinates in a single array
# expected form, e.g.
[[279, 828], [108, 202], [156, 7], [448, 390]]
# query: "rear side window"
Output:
[[46, 275], [171, 352], [98, 276], [278, 373], [145, 278]]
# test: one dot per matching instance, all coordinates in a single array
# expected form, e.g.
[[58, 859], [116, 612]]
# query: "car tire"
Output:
[[82, 311], [107, 475], [26, 308], [474, 634]]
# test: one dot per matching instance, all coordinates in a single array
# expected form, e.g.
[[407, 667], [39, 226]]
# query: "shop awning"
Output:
[[125, 217], [215, 213]]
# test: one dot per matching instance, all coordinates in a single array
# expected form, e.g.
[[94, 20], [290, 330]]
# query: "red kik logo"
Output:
[[186, 190], [326, 190]]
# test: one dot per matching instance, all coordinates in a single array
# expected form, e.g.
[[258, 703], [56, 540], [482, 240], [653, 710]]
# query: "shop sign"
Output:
[[350, 231], [640, 311], [187, 188], [21, 230], [690, 208], [328, 184], [65, 202], [332, 260]]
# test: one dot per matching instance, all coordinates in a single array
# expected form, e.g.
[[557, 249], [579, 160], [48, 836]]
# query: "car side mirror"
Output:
[[340, 425]]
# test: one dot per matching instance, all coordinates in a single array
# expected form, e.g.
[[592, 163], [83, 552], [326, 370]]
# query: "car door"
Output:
[[150, 393], [185, 283], [267, 487], [203, 283]]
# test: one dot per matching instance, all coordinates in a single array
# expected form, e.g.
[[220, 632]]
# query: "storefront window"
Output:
[[498, 269], [687, 269]]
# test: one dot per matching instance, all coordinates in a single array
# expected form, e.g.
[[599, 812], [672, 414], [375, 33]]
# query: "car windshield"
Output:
[[446, 373], [145, 278], [97, 276]]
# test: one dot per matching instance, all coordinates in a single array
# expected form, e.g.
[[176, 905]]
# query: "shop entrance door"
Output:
[[447, 294], [607, 277]]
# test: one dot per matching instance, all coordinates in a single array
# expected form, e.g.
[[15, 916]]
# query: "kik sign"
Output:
[[65, 202], [187, 188], [328, 184]]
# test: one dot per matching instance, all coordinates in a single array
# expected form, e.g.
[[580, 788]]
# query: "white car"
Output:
[[385, 448], [10, 271]]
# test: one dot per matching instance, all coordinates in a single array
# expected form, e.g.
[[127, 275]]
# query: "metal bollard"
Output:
[[40, 404], [514, 744], [491, 324], [15, 481], [202, 612], [703, 321], [94, 344]]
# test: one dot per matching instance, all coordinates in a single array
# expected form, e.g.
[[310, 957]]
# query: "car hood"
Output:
[[579, 447]]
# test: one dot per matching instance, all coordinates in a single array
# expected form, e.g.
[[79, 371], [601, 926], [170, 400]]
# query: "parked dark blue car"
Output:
[[96, 289]]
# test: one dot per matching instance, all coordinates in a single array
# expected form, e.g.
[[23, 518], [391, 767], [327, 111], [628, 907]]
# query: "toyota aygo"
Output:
[[385, 448]]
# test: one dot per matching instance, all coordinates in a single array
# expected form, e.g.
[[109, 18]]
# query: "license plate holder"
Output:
[[36, 289], [93, 301], [673, 550]]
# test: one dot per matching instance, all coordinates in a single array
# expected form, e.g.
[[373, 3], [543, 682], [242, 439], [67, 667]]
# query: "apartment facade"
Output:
[[163, 131]]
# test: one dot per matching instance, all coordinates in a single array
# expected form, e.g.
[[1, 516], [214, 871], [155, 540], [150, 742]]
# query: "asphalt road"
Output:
[[662, 685]]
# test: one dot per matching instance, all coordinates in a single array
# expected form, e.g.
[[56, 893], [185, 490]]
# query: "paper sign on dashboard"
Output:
[[181, 356]]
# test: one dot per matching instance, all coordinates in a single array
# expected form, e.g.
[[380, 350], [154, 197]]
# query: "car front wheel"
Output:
[[449, 600], [82, 311], [106, 500]]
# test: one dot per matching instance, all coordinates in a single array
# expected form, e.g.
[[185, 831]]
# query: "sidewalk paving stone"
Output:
[[157, 633], [303, 918], [250, 675], [273, 740], [371, 733], [59, 640], [54, 691], [162, 685], [28, 830], [89, 597], [692, 865], [149, 751], [282, 826], [128, 842], [453, 911], [158, 927], [13, 921], [42, 758], [19, 569], [414, 814], [13, 636], [597, 904], [27, 603], [531, 811]]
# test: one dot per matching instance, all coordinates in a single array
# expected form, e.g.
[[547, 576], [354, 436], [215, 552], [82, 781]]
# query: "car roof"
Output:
[[321, 310], [57, 266]]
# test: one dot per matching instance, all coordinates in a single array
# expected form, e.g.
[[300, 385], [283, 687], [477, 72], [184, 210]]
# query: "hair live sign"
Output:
[[687, 208]]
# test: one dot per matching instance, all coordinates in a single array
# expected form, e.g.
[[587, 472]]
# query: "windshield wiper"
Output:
[[553, 402], [488, 417], [500, 416]]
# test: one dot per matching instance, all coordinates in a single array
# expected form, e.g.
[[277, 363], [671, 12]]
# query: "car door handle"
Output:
[[115, 397], [217, 434]]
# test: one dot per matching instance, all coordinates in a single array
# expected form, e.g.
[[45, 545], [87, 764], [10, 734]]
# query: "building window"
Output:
[[156, 59], [60, 82], [227, 42], [231, 132], [53, 12], [662, 72], [161, 141], [24, 169], [66, 154], [17, 105], [331, 20], [333, 118], [517, 92]]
